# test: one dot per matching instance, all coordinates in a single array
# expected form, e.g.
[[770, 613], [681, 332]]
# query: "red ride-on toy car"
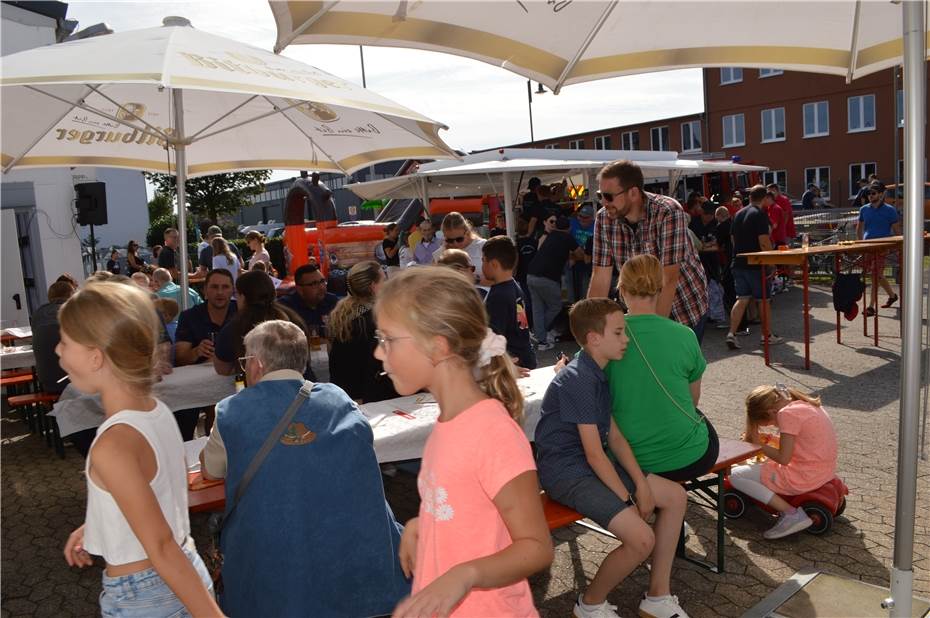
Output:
[[821, 504]]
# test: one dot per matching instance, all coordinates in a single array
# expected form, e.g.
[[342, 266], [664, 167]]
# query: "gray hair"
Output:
[[161, 276], [278, 344]]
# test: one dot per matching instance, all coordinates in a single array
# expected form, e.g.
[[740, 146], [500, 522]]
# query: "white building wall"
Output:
[[127, 208]]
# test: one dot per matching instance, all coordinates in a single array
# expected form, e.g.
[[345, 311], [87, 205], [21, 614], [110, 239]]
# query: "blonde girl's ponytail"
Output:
[[498, 380]]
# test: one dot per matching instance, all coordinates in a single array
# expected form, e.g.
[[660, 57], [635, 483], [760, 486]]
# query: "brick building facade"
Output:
[[805, 127]]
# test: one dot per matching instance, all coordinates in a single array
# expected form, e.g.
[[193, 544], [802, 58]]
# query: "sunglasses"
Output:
[[875, 192], [312, 283], [456, 239], [607, 196], [550, 221]]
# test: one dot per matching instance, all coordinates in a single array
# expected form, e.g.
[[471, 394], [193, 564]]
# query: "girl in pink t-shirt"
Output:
[[481, 530], [804, 459]]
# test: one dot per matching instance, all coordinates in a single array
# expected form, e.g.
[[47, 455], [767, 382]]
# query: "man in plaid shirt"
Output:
[[633, 222]]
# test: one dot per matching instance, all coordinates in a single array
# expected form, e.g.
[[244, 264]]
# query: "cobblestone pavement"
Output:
[[43, 496]]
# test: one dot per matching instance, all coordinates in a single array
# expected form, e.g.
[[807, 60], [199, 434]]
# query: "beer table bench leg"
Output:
[[707, 492]]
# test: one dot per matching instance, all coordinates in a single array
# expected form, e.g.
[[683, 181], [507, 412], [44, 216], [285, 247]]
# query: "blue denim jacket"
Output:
[[313, 535]]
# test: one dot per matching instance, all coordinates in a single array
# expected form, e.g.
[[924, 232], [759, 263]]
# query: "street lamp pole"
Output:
[[529, 100]]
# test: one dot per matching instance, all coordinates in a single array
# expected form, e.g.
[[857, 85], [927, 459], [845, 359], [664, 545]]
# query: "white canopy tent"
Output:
[[503, 171]]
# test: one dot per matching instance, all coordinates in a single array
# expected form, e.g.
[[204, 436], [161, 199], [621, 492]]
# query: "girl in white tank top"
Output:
[[136, 476]]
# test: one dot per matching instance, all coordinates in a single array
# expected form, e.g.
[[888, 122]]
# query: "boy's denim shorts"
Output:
[[145, 594], [590, 497]]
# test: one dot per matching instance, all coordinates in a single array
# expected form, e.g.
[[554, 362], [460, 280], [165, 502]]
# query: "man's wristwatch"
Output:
[[630, 501]]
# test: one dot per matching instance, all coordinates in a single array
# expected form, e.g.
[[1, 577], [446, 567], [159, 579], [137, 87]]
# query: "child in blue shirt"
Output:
[[575, 469]]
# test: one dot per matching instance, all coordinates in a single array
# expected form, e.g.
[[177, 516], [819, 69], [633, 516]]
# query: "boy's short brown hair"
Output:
[[502, 249], [590, 316]]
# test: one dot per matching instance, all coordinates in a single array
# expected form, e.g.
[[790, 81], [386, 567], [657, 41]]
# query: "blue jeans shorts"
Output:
[[748, 282], [145, 594], [590, 497]]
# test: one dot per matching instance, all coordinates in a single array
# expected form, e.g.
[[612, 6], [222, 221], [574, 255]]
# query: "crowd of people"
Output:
[[458, 316]]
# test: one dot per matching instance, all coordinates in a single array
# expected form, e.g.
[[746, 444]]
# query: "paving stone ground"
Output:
[[43, 496]]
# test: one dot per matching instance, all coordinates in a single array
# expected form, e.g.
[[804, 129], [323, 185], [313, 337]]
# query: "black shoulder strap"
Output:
[[302, 395]]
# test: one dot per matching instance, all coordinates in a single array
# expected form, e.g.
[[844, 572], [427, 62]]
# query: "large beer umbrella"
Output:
[[176, 100], [560, 42]]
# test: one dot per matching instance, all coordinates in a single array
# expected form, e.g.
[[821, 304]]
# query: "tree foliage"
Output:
[[219, 194], [159, 206]]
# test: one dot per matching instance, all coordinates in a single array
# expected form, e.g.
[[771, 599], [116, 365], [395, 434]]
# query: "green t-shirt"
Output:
[[662, 437]]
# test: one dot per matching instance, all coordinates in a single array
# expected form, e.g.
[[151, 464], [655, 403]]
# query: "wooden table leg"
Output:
[[764, 313], [807, 316]]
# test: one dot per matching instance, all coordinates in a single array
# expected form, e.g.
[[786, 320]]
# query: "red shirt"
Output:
[[785, 205], [777, 219]]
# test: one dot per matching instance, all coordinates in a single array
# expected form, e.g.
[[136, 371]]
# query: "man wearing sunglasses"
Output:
[[878, 219], [310, 299], [633, 222]]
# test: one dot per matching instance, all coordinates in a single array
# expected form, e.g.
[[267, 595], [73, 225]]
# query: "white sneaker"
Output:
[[732, 343], [664, 607], [604, 610], [553, 335], [773, 340], [542, 346], [788, 524]]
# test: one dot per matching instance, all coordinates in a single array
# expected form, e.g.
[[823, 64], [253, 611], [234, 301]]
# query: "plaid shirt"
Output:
[[662, 232]]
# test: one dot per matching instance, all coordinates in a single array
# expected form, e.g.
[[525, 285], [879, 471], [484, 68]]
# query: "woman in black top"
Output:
[[351, 329], [133, 263], [113, 262]]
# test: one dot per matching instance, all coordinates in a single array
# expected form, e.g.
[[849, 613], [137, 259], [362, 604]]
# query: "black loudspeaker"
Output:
[[91, 203]]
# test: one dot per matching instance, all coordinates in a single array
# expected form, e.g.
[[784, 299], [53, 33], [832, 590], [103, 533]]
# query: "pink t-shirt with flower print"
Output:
[[813, 461], [466, 462]]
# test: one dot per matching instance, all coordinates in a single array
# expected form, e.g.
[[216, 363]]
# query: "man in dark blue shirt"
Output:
[[198, 325], [504, 302], [310, 299]]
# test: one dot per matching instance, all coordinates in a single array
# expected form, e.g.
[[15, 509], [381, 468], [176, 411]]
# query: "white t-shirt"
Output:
[[221, 261], [474, 254], [260, 256]]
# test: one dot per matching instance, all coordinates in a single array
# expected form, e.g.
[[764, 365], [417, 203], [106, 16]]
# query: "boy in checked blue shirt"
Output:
[[575, 469]]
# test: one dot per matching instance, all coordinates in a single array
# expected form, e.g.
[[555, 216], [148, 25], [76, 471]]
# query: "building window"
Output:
[[861, 113], [763, 73], [779, 177], [629, 140], [819, 176], [816, 119], [551, 146], [730, 75], [602, 142], [691, 136], [773, 125], [576, 144], [859, 171], [734, 131], [899, 107], [659, 137]]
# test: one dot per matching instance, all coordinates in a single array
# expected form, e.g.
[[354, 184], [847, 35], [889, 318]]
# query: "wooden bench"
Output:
[[35, 407], [704, 490]]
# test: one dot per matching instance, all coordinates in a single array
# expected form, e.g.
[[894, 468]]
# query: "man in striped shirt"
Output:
[[632, 222]]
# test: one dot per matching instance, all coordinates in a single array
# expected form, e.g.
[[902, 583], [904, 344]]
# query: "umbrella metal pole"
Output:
[[180, 170], [915, 109]]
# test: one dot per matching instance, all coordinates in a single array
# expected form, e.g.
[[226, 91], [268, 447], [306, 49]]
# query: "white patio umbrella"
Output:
[[560, 42], [180, 101]]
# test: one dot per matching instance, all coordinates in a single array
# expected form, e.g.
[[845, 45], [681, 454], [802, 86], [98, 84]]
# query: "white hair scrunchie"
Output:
[[492, 345]]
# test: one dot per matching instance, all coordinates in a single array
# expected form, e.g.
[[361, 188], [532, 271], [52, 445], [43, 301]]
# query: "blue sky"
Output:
[[483, 106]]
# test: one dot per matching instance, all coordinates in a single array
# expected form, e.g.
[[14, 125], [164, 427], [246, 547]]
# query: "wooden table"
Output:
[[799, 257]]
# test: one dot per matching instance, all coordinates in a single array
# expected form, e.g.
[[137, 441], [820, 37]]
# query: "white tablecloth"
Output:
[[15, 357], [399, 437], [192, 386], [20, 332]]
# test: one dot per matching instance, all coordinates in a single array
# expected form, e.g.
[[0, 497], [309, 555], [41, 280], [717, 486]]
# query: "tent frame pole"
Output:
[[915, 107]]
